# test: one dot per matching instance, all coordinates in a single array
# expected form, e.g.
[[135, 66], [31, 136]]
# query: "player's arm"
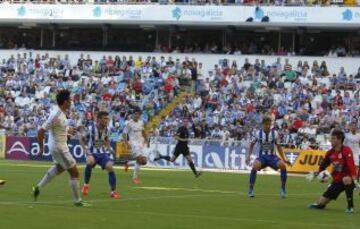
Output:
[[40, 137], [324, 163], [251, 148], [350, 163], [71, 131], [281, 153], [108, 145], [83, 142], [125, 133], [41, 132]]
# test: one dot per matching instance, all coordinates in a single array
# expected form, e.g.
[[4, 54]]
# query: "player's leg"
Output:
[[357, 164], [49, 175], [90, 163], [349, 191], [68, 163], [321, 204], [283, 177], [108, 165], [165, 157], [176, 154], [140, 160], [52, 172], [75, 185], [332, 193], [258, 164], [192, 165]]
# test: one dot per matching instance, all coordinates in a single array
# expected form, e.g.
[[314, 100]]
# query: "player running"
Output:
[[56, 124], [352, 139], [344, 173], [97, 148], [266, 139], [135, 136], [182, 136]]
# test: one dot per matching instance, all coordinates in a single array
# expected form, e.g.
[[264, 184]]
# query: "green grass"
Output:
[[166, 199]]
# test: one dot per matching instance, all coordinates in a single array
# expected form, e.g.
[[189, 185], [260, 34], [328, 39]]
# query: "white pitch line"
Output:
[[163, 188], [268, 173], [220, 194], [107, 199], [223, 218]]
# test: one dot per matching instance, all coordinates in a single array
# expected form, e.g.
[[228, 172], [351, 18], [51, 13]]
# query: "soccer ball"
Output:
[[324, 176]]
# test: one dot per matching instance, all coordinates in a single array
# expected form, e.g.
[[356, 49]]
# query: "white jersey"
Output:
[[352, 140], [136, 140], [56, 124], [134, 131]]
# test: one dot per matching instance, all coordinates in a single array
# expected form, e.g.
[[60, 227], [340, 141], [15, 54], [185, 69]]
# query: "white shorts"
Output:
[[138, 150], [64, 159]]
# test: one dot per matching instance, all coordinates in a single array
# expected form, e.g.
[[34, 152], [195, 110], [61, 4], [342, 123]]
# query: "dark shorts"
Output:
[[269, 161], [334, 190], [181, 149], [101, 159]]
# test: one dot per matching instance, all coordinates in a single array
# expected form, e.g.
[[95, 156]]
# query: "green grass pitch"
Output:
[[166, 199]]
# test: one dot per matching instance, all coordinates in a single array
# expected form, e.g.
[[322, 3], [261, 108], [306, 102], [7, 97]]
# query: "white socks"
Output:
[[136, 170], [75, 189], [50, 174]]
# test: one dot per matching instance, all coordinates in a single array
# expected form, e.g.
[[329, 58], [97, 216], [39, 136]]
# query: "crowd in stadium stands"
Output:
[[196, 2], [28, 87], [305, 101], [249, 48]]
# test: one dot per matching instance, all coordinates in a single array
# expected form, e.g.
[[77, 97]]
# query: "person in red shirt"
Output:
[[344, 172]]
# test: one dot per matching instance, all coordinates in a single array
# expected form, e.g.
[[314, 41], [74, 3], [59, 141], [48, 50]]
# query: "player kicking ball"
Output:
[[266, 138], [56, 124], [344, 173], [135, 136], [97, 148], [182, 136]]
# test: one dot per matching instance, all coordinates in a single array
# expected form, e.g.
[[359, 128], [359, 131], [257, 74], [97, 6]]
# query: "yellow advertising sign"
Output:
[[122, 149], [303, 161], [2, 146]]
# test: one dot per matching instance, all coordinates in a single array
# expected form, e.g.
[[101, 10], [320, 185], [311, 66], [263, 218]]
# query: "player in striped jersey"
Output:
[[266, 140], [98, 151]]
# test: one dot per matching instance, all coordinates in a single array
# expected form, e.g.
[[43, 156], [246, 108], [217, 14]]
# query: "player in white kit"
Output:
[[134, 135], [352, 140], [59, 131]]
